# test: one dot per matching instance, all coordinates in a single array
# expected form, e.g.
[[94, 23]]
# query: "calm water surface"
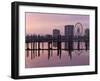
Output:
[[53, 59]]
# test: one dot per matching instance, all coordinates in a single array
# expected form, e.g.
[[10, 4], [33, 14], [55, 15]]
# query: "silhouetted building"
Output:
[[56, 33], [69, 33], [86, 35], [87, 32]]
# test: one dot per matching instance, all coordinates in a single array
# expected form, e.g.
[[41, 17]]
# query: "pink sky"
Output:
[[44, 23]]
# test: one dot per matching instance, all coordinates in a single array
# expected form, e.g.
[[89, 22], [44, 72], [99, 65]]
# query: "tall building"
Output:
[[56, 32], [87, 35], [87, 32], [69, 30], [69, 33]]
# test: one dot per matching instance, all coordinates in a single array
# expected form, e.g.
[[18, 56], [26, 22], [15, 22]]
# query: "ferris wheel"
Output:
[[78, 29]]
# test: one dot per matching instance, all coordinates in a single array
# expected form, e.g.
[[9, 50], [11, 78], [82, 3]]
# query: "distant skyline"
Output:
[[44, 23]]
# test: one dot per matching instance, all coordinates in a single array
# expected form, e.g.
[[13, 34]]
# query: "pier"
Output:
[[36, 40]]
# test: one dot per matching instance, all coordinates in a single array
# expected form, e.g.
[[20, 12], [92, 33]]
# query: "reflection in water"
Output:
[[52, 57]]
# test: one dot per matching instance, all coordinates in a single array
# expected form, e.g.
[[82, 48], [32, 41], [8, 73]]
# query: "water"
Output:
[[53, 59]]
